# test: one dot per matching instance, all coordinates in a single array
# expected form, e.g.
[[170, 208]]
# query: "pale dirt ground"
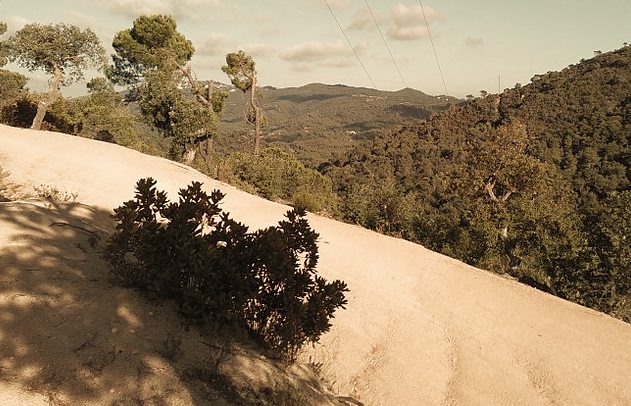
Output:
[[419, 328]]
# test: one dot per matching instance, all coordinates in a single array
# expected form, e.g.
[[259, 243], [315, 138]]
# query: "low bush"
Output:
[[55, 194], [192, 252], [277, 175]]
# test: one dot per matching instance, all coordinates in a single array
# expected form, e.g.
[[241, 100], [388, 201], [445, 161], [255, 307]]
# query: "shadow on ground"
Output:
[[70, 335]]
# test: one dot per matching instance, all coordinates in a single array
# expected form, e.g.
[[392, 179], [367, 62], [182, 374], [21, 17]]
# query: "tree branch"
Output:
[[186, 71], [490, 184], [506, 195]]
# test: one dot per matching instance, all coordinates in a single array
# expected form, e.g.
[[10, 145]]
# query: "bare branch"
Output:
[[188, 74], [490, 184]]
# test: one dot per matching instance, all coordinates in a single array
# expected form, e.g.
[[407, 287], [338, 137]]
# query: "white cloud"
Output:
[[213, 44], [329, 54], [318, 51], [408, 33], [362, 20], [180, 9], [259, 50], [410, 16], [408, 22]]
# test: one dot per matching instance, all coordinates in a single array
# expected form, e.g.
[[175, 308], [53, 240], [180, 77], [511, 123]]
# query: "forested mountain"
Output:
[[319, 122], [534, 182]]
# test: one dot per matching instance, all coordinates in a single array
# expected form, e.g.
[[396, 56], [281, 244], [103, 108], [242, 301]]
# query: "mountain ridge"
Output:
[[318, 122]]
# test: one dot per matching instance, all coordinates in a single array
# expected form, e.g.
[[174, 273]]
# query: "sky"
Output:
[[480, 44]]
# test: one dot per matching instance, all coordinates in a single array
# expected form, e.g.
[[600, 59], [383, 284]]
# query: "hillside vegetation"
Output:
[[534, 182], [319, 122]]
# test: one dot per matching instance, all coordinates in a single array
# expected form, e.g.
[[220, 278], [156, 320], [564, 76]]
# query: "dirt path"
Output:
[[420, 328]]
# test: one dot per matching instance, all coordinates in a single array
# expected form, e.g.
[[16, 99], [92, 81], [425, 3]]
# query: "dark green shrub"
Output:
[[292, 305], [12, 86], [218, 272], [20, 112]]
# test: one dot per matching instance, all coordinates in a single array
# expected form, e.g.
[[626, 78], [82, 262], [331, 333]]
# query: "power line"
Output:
[[350, 44], [433, 47], [386, 43]]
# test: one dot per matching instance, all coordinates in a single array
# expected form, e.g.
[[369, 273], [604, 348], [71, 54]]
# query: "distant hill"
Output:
[[319, 122]]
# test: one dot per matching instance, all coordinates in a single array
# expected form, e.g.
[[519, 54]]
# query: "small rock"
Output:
[[114, 330]]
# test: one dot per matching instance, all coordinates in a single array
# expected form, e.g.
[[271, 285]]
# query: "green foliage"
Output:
[[152, 43], [532, 183], [59, 114], [56, 47], [175, 114], [21, 111], [195, 254], [276, 175], [241, 70], [320, 123], [103, 116], [611, 239], [3, 49], [11, 88], [377, 204], [63, 51], [150, 58]]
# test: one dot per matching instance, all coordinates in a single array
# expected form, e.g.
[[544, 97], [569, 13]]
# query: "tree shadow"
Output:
[[65, 331], [68, 334], [251, 379]]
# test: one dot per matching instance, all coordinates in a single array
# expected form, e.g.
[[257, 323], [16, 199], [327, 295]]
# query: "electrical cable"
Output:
[[434, 48], [350, 45], [386, 43]]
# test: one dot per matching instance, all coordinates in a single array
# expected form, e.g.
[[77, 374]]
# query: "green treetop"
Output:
[[151, 58], [241, 70], [61, 50]]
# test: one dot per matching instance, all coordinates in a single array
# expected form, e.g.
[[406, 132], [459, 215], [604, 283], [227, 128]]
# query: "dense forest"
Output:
[[534, 182]]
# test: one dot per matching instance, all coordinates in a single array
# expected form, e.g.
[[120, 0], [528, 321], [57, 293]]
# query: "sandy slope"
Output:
[[420, 328]]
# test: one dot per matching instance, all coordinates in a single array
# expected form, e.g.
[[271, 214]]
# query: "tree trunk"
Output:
[[206, 149], [257, 117], [39, 116], [188, 156], [54, 85]]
